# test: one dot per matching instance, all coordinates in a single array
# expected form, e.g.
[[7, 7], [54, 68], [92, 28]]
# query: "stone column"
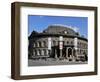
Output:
[[60, 45], [75, 47], [49, 46], [55, 53], [66, 54], [60, 53]]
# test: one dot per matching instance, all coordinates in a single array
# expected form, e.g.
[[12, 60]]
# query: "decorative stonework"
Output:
[[38, 44]]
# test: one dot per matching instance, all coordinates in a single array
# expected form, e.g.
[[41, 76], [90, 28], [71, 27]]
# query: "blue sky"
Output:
[[40, 22]]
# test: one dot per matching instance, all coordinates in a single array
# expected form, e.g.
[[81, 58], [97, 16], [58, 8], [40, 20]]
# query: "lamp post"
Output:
[[60, 45]]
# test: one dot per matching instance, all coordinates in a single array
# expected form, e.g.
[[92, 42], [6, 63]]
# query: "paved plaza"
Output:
[[48, 62]]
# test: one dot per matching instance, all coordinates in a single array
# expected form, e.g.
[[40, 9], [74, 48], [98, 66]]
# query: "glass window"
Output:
[[44, 43], [54, 43], [44, 52], [40, 44], [65, 32], [67, 42], [39, 52], [71, 42], [35, 52], [36, 44]]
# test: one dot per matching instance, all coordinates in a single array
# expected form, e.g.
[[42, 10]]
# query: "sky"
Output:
[[39, 23]]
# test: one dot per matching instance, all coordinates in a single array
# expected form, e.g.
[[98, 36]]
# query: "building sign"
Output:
[[49, 43]]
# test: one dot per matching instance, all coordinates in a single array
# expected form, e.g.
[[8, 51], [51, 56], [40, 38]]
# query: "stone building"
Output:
[[73, 46]]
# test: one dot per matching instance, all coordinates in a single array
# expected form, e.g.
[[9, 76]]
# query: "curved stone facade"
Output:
[[74, 47]]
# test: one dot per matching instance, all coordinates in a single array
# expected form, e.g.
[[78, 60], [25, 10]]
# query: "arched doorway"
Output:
[[70, 52], [55, 52]]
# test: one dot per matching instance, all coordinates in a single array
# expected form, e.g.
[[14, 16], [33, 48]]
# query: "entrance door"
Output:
[[55, 52], [70, 52]]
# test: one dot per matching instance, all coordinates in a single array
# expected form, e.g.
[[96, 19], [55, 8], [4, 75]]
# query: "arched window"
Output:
[[67, 42], [70, 52], [84, 45], [81, 45], [35, 52], [33, 44], [44, 44], [39, 52], [40, 44], [44, 51], [64, 43], [47, 52], [78, 45], [54, 43], [80, 51], [71, 42], [36, 44], [65, 32]]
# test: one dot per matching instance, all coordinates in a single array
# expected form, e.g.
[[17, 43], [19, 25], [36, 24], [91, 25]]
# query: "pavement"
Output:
[[48, 62]]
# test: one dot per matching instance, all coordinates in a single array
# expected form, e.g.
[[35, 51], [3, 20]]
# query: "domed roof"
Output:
[[57, 29]]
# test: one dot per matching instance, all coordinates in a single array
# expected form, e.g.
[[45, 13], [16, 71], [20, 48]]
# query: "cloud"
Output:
[[76, 29], [41, 16]]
